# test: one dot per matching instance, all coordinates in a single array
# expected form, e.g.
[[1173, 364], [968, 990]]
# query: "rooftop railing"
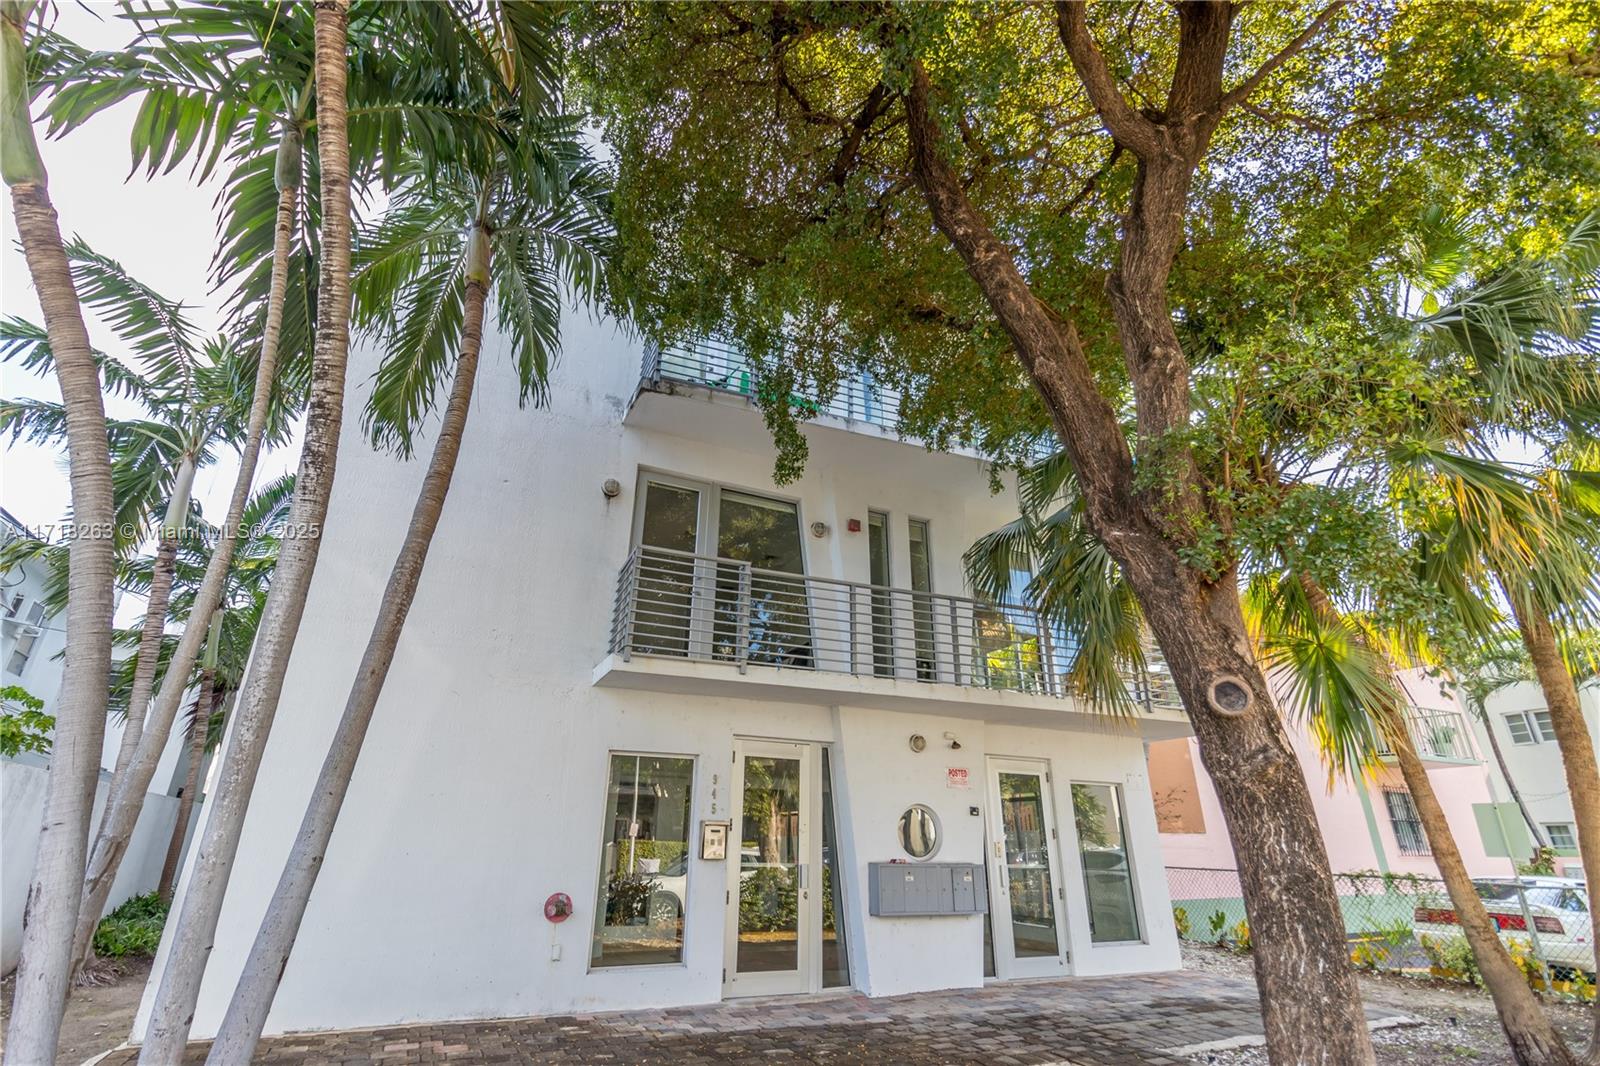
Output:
[[678, 605], [718, 363]]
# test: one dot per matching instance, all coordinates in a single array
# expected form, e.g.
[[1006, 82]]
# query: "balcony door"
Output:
[[1025, 889], [694, 600]]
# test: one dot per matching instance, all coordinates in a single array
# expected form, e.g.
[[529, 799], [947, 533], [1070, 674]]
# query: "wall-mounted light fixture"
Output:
[[918, 742], [611, 488], [819, 529]]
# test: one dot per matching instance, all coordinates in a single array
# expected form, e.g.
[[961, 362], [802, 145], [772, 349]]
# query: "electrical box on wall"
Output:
[[903, 889]]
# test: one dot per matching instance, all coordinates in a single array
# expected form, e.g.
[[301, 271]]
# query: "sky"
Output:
[[162, 230]]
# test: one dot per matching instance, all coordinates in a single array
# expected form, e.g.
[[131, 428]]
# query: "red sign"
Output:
[[957, 777]]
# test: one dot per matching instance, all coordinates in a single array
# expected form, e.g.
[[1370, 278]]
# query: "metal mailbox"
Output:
[[903, 889]]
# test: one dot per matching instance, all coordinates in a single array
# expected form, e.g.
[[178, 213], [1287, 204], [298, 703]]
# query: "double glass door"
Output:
[[1025, 872], [694, 600], [782, 931]]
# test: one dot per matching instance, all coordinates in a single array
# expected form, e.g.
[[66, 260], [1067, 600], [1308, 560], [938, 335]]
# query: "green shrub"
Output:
[[132, 929], [1180, 918]]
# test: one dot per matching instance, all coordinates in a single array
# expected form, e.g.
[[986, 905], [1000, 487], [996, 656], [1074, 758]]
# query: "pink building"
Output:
[[1368, 825]]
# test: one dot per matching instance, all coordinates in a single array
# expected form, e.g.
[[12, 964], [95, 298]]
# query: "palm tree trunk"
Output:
[[155, 615], [44, 973], [128, 790], [201, 904], [1572, 736], [269, 955], [191, 781], [1534, 1040]]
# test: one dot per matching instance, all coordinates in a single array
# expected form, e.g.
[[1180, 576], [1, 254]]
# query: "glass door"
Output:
[[670, 613], [1025, 886], [773, 916]]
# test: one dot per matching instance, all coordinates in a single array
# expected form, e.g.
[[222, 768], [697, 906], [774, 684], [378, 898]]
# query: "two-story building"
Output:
[[1520, 721], [1369, 823], [661, 731]]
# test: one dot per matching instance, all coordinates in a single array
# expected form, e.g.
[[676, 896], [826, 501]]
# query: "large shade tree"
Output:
[[1013, 211]]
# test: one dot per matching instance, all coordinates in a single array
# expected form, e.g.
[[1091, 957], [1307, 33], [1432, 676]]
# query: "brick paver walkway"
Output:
[[1083, 1021]]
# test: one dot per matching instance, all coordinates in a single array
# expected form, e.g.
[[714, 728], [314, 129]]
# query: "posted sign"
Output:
[[957, 777]]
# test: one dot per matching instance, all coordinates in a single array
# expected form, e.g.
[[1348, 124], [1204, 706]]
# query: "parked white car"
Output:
[[1559, 907]]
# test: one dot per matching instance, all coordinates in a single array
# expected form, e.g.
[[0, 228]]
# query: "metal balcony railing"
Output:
[[718, 363], [1442, 735], [685, 606]]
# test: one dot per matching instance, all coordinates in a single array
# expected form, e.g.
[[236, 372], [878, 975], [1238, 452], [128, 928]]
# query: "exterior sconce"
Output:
[[611, 488], [819, 529], [918, 742]]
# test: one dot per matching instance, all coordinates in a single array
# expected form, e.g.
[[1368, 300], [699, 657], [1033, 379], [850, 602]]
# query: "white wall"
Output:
[[480, 788], [22, 789], [1536, 768]]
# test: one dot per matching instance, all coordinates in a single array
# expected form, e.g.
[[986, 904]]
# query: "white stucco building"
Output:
[[1521, 724], [627, 636], [31, 642]]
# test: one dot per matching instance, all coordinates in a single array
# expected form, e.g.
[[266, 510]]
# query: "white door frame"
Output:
[[1006, 963], [807, 975]]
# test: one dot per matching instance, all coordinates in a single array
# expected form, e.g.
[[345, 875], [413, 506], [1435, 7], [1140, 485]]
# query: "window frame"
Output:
[[1422, 847], [1566, 827], [690, 854], [1139, 919], [710, 511], [1512, 719], [1542, 725]]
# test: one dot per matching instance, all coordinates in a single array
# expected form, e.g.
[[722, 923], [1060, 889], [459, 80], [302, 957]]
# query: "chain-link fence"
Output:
[[1406, 922]]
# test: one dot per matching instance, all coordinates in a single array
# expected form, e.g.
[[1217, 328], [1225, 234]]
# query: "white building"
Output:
[[1521, 724], [31, 642], [626, 637]]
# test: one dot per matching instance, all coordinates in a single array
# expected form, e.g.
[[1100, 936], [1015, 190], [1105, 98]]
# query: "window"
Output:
[[1103, 851], [1542, 725], [882, 607], [27, 636], [1517, 726], [1561, 835], [921, 601], [644, 861], [1407, 824]]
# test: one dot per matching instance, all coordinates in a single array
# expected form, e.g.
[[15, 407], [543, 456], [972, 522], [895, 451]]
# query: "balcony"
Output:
[[717, 366], [711, 626], [1440, 737]]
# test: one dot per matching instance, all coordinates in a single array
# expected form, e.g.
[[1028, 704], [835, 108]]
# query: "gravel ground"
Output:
[[99, 1015], [1458, 1023]]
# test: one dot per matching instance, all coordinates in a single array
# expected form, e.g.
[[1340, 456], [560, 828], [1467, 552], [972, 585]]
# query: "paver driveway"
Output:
[[1100, 1021]]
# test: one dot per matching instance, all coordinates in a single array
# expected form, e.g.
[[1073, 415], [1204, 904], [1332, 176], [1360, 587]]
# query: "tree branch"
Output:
[[1241, 92], [1127, 126]]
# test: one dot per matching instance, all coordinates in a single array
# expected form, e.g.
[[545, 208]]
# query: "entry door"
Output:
[[1025, 882], [774, 871]]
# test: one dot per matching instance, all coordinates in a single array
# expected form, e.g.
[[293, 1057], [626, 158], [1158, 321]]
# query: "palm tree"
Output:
[[197, 915], [232, 632], [1527, 335], [44, 972], [526, 229]]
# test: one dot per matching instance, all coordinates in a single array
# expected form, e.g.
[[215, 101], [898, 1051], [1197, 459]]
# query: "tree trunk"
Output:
[[45, 970], [201, 902], [269, 955], [1572, 737], [128, 790], [1310, 1001], [191, 782], [1534, 1040], [155, 614]]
